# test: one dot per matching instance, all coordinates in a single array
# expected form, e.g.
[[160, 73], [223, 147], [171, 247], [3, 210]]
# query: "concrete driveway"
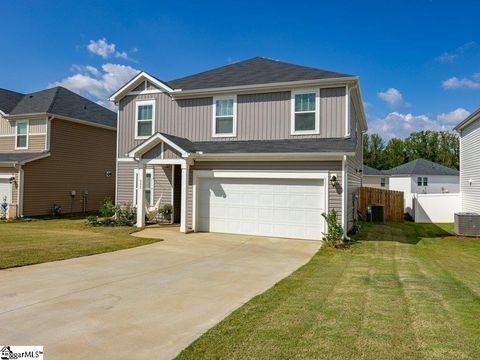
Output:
[[147, 302]]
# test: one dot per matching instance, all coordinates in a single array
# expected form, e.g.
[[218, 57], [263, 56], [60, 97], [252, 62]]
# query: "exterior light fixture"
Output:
[[109, 173], [333, 181], [12, 179]]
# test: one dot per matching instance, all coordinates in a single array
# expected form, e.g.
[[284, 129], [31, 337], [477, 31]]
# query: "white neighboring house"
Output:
[[469, 130], [375, 178], [422, 177]]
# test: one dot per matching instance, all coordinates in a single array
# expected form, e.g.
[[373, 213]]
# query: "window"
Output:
[[145, 115], [382, 182], [21, 141], [422, 181], [224, 116], [305, 118], [148, 187]]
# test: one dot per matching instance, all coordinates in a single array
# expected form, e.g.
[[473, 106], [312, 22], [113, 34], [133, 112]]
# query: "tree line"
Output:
[[438, 146]]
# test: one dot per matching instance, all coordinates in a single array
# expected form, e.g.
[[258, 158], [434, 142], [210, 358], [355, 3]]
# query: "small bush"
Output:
[[108, 222], [3, 208], [107, 209], [125, 215], [92, 220], [334, 236], [166, 209]]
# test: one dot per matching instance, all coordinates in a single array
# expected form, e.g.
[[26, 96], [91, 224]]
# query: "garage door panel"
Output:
[[5, 190], [265, 207]]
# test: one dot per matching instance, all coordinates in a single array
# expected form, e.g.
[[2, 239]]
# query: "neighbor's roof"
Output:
[[253, 71], [422, 167], [367, 170], [59, 101], [325, 145], [21, 157], [8, 100], [470, 119]]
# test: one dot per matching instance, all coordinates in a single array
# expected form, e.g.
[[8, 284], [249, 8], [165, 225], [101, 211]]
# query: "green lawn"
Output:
[[38, 241], [405, 292]]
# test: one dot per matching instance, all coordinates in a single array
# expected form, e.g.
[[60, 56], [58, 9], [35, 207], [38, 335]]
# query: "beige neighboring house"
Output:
[[469, 130], [56, 147], [259, 147], [375, 178]]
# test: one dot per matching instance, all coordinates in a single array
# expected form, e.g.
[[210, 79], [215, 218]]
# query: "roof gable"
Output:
[[474, 116], [253, 71]]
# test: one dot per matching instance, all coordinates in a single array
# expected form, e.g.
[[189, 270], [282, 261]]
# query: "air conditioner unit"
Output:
[[375, 213], [467, 224]]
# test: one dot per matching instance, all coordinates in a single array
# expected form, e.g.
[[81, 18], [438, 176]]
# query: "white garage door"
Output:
[[5, 190], [289, 208]]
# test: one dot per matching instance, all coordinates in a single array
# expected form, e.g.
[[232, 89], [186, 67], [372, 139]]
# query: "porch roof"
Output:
[[22, 157], [283, 146]]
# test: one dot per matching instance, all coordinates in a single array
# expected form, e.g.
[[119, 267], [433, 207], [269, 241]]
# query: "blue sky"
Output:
[[418, 61]]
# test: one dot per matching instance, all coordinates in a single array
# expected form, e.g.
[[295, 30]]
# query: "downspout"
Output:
[[20, 190]]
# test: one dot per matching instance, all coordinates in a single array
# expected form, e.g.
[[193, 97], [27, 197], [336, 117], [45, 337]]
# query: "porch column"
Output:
[[140, 194], [183, 213]]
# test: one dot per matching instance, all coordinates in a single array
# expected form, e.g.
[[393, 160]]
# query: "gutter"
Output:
[[60, 117]]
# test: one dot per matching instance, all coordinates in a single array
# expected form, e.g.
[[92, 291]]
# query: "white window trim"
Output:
[[214, 117], [316, 131], [135, 192], [137, 105], [16, 134]]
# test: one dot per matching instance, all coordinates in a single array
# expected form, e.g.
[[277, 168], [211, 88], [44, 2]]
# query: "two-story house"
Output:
[[258, 147], [56, 148]]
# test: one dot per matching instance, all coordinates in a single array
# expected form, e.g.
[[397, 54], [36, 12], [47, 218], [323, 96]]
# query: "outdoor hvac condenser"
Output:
[[467, 224]]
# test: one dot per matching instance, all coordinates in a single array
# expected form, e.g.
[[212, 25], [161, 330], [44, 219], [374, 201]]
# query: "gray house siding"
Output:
[[162, 180], [470, 167], [259, 117], [354, 174]]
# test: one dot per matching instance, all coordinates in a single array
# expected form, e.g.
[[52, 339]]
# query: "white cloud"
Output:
[[393, 97], [396, 124], [462, 83], [453, 117], [97, 84], [103, 48], [450, 57]]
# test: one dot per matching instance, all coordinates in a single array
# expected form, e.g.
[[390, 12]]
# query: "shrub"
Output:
[[92, 220], [107, 209], [108, 222], [3, 208], [125, 215], [334, 236], [166, 209]]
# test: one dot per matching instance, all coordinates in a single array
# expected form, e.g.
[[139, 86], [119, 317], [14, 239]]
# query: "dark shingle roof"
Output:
[[252, 71], [63, 102], [19, 157], [328, 145], [422, 167], [367, 170], [8, 100]]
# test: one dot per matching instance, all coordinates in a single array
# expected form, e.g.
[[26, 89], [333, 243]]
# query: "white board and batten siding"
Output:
[[436, 208], [470, 167]]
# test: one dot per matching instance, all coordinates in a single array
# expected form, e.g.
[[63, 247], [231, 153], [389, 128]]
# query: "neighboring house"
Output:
[[422, 177], [469, 130], [56, 147], [375, 178], [258, 147]]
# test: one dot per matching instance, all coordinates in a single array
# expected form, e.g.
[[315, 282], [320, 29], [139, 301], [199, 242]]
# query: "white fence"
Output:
[[436, 208]]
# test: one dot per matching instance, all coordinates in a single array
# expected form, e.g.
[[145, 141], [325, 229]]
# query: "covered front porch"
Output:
[[162, 176]]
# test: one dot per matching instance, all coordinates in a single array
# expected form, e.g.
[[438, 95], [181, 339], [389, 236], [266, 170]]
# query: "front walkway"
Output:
[[146, 302]]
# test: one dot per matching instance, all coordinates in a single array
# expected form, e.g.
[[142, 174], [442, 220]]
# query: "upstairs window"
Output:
[[305, 114], [145, 115], [422, 181], [224, 116], [382, 182], [21, 141]]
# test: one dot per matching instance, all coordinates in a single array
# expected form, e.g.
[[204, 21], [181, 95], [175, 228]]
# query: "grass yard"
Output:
[[38, 241], [408, 291]]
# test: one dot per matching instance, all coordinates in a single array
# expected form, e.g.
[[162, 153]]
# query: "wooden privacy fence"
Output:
[[391, 200]]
